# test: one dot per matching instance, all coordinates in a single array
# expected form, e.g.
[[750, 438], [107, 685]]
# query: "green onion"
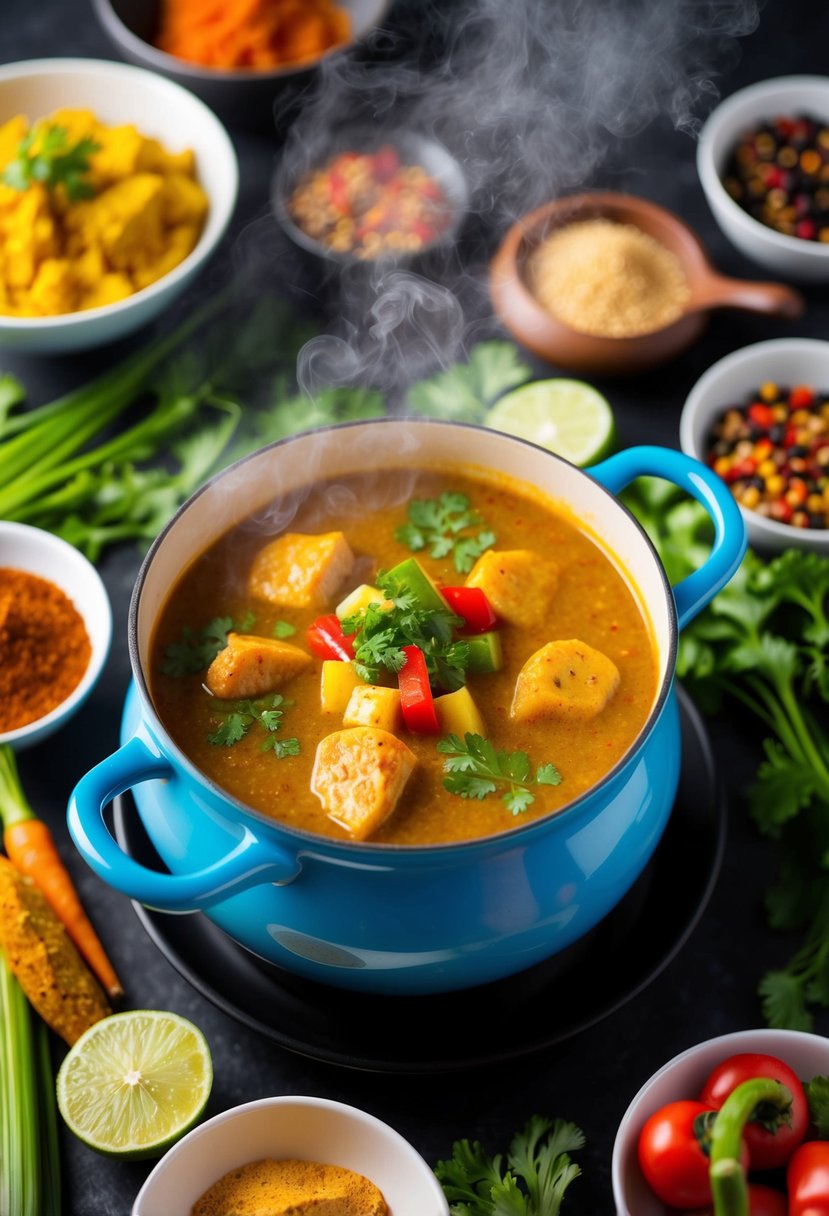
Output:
[[29, 1164]]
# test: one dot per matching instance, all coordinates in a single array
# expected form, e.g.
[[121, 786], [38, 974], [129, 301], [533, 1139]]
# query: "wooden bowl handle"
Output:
[[773, 299]]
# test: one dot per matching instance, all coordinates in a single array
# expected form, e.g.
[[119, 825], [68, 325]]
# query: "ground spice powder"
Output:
[[607, 279], [291, 1188], [44, 647]]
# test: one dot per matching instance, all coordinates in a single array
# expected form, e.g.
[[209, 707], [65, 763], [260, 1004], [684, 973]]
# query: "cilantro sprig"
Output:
[[464, 391], [45, 155], [531, 1181], [764, 641], [197, 648], [379, 634], [476, 769], [240, 716], [444, 526]]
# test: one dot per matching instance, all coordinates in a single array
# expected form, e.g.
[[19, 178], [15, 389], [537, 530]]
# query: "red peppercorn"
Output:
[[762, 415], [801, 397]]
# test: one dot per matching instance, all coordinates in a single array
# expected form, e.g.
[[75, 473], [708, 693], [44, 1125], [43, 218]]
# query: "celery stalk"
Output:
[[20, 1157]]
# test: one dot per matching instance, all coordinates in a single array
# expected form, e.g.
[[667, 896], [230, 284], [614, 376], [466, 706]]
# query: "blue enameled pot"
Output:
[[387, 918]]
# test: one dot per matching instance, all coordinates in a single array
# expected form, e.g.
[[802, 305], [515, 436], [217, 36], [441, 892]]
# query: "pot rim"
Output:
[[375, 848]]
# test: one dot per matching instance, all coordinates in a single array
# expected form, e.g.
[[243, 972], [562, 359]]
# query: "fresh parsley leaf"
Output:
[[266, 712], [475, 769], [45, 156], [463, 392], [817, 1095], [784, 1001], [283, 629], [380, 632], [442, 525], [531, 1181], [197, 648]]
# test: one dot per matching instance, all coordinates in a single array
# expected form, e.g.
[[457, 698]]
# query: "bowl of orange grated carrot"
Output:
[[237, 55]]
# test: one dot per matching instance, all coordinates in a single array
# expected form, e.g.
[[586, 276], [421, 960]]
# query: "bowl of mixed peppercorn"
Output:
[[763, 160], [760, 419]]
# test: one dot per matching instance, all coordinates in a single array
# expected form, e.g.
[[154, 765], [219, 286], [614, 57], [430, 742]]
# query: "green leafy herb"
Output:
[[266, 712], [464, 391], [476, 769], [380, 633], [764, 641], [817, 1095], [197, 648], [283, 629], [44, 155], [442, 525], [531, 1182]]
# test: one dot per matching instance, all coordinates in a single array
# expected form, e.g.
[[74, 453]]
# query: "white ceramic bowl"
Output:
[[788, 256], [786, 361], [310, 1129], [683, 1077], [118, 93], [49, 557]]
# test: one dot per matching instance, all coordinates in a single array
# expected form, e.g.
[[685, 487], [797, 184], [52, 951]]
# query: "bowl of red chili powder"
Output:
[[55, 632]]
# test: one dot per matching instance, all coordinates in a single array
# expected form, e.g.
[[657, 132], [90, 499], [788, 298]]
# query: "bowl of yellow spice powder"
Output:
[[613, 284], [288, 1155], [55, 630]]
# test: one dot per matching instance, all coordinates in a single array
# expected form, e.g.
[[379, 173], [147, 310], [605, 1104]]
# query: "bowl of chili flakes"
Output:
[[55, 632]]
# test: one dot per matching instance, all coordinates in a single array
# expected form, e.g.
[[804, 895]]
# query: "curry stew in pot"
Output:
[[416, 658]]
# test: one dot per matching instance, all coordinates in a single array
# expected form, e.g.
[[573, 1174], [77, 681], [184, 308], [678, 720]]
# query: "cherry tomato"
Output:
[[768, 1149], [808, 1180], [764, 1201], [672, 1157]]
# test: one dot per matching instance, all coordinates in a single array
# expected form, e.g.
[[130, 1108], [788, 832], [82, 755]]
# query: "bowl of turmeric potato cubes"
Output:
[[115, 188]]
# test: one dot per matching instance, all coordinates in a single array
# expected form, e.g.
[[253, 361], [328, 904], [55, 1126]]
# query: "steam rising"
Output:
[[529, 96]]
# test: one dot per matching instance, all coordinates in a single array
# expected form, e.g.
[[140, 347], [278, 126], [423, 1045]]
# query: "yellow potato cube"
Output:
[[251, 666], [299, 571], [371, 705], [11, 133], [117, 155], [359, 599], [183, 200], [337, 682], [154, 158], [54, 289], [359, 774], [566, 679], [519, 584], [459, 715], [108, 290], [179, 242]]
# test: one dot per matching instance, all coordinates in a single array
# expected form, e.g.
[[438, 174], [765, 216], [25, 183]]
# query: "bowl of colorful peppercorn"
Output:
[[763, 161], [760, 418], [370, 196], [689, 1136], [55, 630]]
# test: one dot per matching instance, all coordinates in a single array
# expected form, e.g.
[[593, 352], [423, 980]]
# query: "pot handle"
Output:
[[252, 861], [699, 588]]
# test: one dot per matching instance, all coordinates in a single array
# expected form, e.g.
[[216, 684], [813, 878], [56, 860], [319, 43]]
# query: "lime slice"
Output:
[[569, 417], [135, 1082]]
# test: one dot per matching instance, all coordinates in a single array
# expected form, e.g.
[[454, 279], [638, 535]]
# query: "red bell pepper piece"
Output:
[[471, 604], [327, 640], [807, 1179], [416, 700]]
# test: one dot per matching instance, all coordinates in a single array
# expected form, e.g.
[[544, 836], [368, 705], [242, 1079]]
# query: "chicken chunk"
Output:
[[567, 679], [299, 571], [359, 775], [250, 666], [519, 584]]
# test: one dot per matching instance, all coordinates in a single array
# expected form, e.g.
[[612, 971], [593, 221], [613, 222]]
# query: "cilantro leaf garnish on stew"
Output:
[[476, 769], [443, 526], [381, 631], [199, 647], [267, 712]]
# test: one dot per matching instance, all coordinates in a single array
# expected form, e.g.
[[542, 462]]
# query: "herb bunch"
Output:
[[45, 156], [380, 632], [531, 1181], [764, 641]]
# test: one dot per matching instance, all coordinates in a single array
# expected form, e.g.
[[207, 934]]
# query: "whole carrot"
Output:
[[29, 844]]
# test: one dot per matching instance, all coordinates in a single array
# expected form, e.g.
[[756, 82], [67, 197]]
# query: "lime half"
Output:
[[134, 1082], [569, 417]]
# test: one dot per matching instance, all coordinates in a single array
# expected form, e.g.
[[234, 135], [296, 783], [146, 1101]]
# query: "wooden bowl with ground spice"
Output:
[[612, 284], [55, 629]]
